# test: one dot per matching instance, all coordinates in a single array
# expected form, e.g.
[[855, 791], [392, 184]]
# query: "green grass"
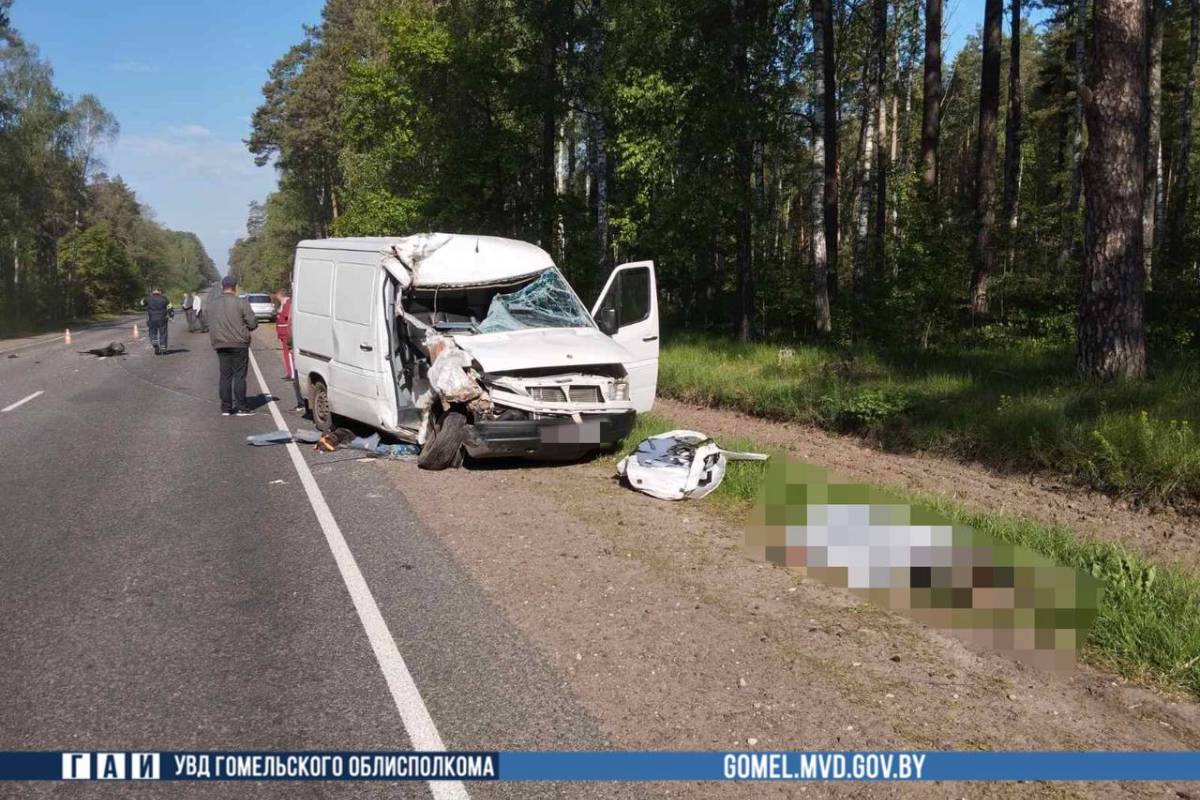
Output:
[[1148, 626], [1015, 406]]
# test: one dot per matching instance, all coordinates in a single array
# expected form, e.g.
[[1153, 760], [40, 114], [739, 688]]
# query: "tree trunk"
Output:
[[862, 211], [1012, 132], [549, 100], [1154, 133], [931, 117], [1181, 200], [600, 181], [597, 154], [830, 120], [1112, 336], [1072, 211], [984, 256], [743, 165], [879, 234], [822, 318]]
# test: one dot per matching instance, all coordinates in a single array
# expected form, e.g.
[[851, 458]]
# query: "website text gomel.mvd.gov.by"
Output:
[[823, 766]]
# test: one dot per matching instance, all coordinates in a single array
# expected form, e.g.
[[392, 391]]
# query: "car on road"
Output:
[[262, 306], [471, 345]]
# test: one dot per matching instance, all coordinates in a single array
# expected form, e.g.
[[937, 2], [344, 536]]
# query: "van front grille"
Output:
[[585, 394], [547, 394]]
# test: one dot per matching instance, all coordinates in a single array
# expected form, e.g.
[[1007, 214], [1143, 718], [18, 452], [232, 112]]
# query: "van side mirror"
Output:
[[607, 321]]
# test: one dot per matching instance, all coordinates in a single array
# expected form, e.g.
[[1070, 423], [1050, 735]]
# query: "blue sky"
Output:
[[183, 78]]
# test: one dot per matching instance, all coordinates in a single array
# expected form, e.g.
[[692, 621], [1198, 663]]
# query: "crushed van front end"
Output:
[[538, 414], [552, 438]]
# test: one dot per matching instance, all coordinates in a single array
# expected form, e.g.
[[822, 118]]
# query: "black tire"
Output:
[[444, 447], [318, 404]]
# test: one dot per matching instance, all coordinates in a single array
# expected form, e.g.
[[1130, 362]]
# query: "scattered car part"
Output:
[[677, 465]]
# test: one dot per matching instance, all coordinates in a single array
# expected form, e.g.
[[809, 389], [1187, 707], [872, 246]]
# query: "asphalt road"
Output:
[[166, 587]]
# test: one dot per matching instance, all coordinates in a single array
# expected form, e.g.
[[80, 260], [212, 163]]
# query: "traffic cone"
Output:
[[135, 331], [67, 339]]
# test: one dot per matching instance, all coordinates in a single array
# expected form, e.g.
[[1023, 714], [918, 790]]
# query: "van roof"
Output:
[[449, 259]]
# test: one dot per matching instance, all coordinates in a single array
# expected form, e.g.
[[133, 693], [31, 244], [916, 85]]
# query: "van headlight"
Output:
[[620, 390]]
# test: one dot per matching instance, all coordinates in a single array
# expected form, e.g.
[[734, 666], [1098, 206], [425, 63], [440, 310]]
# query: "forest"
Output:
[[799, 170], [74, 241], [991, 256]]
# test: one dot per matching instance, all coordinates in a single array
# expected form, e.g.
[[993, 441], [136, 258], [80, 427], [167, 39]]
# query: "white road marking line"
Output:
[[21, 402], [413, 714]]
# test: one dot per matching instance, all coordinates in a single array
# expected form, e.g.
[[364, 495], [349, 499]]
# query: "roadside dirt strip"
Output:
[[675, 639]]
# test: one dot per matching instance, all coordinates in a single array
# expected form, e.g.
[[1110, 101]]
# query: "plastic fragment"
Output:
[[679, 464]]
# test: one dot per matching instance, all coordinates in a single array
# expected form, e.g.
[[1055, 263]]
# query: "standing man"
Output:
[[230, 321], [190, 312], [283, 329], [157, 307], [198, 308]]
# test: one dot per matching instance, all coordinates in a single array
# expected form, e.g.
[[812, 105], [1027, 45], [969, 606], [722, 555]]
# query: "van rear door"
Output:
[[632, 293], [311, 329], [356, 371]]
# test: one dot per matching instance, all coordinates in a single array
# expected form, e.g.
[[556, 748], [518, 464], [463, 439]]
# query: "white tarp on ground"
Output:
[[679, 464]]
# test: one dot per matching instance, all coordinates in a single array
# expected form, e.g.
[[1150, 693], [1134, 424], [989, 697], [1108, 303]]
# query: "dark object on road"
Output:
[[13, 355], [111, 349]]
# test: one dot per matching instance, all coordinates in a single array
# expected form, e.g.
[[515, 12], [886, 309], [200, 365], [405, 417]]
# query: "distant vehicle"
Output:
[[262, 306], [529, 370]]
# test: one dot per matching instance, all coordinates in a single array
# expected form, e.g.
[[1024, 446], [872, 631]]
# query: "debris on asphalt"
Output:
[[328, 442], [679, 464], [111, 349], [283, 437], [336, 440], [398, 451]]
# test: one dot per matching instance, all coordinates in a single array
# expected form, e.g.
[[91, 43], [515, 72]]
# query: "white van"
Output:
[[522, 367]]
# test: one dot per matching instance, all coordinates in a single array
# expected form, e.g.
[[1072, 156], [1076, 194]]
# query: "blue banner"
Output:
[[603, 766]]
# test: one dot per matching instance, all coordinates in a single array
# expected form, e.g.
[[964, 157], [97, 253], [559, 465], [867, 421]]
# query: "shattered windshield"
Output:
[[546, 302]]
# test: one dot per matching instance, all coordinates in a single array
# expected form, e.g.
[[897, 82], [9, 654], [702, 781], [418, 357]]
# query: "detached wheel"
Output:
[[444, 448], [318, 402]]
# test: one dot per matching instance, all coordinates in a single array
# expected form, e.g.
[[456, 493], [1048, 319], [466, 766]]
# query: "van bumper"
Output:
[[547, 438]]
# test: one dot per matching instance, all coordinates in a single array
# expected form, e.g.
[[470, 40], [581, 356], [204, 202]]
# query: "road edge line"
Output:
[[414, 715], [21, 402]]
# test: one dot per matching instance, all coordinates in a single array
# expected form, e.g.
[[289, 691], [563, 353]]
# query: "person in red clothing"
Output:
[[283, 329]]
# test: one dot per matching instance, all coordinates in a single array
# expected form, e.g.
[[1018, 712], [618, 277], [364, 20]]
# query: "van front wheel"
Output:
[[444, 447], [318, 401]]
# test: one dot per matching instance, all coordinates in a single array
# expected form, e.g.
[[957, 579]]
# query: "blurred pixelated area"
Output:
[[910, 559]]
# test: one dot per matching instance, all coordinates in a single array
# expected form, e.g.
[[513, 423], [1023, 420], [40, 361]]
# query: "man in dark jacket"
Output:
[[230, 321], [157, 309]]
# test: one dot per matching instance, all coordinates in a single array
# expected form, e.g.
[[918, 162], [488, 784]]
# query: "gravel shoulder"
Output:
[[653, 615]]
